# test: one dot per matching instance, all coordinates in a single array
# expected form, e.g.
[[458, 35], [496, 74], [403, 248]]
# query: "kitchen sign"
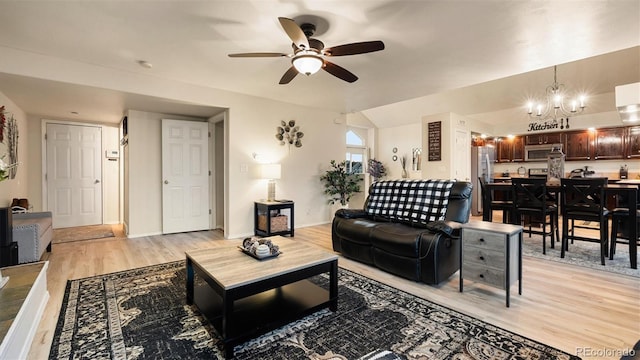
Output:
[[548, 125]]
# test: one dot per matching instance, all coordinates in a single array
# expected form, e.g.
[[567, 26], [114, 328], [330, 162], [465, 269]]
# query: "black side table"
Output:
[[270, 219]]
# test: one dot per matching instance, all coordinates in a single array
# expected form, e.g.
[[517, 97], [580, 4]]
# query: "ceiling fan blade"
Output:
[[288, 76], [294, 32], [339, 71], [354, 48], [259, 54]]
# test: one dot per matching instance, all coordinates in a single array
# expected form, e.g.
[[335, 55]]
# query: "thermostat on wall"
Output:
[[112, 154]]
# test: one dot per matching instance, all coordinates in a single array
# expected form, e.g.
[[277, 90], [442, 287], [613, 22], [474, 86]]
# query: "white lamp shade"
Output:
[[307, 64], [270, 171]]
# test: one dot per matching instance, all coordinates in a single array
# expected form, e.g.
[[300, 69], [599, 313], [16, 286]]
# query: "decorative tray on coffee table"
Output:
[[248, 252]]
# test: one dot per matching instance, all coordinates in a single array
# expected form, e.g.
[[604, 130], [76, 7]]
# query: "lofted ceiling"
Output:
[[433, 49]]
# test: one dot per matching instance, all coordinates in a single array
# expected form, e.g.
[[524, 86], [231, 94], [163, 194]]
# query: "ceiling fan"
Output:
[[309, 54]]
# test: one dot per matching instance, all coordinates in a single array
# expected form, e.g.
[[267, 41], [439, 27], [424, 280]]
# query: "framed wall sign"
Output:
[[434, 139]]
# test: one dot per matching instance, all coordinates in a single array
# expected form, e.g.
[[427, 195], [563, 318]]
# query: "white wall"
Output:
[[252, 129], [438, 169], [110, 176], [404, 138], [17, 187], [144, 179]]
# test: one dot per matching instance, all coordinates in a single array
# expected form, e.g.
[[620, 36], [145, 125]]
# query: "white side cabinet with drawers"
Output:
[[491, 253]]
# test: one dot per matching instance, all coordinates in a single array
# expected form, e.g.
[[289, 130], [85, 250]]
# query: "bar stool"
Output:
[[530, 199], [584, 199], [489, 205], [620, 224]]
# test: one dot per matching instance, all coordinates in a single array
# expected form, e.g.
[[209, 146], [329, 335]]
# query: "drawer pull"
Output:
[[482, 258], [482, 276]]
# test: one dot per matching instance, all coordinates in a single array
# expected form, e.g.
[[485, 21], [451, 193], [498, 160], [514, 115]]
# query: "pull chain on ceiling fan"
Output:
[[309, 54]]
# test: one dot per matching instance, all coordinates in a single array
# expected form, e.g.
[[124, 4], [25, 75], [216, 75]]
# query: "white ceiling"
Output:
[[432, 47]]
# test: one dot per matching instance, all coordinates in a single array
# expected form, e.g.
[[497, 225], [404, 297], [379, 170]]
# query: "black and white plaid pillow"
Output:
[[413, 201], [429, 200], [384, 199]]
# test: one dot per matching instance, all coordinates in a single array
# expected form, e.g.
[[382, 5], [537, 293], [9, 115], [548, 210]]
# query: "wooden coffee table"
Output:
[[246, 297]]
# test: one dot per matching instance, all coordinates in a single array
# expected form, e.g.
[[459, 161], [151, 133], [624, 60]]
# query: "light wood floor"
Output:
[[568, 307]]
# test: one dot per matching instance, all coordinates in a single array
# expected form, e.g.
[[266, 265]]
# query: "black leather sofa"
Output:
[[409, 228]]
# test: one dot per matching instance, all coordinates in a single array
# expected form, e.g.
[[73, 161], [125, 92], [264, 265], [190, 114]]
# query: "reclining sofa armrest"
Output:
[[447, 228], [351, 213]]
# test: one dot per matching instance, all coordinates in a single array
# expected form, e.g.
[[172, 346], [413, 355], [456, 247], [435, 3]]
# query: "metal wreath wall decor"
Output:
[[289, 133]]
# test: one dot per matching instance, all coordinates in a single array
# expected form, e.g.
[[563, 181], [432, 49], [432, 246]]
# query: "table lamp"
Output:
[[271, 172]]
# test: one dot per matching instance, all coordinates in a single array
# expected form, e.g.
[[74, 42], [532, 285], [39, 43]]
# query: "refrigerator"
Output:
[[482, 160]]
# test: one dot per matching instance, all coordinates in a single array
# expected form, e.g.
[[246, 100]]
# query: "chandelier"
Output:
[[554, 107]]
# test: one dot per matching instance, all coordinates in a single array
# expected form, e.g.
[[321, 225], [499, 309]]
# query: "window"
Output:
[[355, 152]]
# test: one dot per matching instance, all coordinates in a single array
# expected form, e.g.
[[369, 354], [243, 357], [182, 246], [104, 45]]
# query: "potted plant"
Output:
[[376, 169], [339, 184]]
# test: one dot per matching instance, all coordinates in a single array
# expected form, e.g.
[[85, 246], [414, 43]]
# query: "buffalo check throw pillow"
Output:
[[412, 201]]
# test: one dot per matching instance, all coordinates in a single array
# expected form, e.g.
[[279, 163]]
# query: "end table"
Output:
[[273, 217], [491, 253]]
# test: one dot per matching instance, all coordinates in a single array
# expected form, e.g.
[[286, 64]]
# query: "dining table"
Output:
[[628, 189]]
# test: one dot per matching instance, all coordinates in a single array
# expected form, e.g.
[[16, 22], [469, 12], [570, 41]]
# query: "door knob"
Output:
[[166, 182], [97, 181]]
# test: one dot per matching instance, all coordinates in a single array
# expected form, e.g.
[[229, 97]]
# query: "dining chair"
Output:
[[620, 223], [531, 202], [584, 199], [489, 204]]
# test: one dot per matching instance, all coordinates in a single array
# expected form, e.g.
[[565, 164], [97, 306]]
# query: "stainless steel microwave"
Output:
[[539, 152]]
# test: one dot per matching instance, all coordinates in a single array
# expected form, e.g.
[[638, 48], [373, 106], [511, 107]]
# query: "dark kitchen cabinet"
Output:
[[609, 143], [632, 143], [518, 149], [577, 145], [546, 138], [510, 149], [503, 150]]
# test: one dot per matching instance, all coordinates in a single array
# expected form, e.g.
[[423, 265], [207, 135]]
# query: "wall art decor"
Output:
[[434, 138], [8, 135], [289, 133], [417, 159], [3, 123], [12, 145]]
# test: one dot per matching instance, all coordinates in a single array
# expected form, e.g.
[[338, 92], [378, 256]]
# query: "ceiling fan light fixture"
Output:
[[307, 62]]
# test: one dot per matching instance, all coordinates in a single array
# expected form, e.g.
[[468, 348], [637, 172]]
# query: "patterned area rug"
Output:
[[581, 253], [142, 314], [82, 233]]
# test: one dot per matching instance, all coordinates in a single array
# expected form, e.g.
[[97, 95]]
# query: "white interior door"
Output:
[[462, 156], [74, 174], [185, 175]]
